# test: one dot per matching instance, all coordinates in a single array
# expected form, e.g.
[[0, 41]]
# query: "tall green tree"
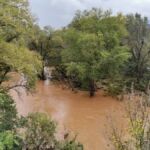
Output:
[[138, 41], [48, 43], [8, 113], [19, 59], [83, 57], [16, 20], [94, 43], [16, 24], [9, 121]]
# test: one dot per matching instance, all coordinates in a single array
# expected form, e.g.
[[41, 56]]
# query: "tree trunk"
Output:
[[139, 73], [2, 78], [92, 88], [42, 75]]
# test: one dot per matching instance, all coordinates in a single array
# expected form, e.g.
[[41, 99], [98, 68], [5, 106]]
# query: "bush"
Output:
[[10, 141], [37, 130], [40, 134], [72, 145], [8, 113], [137, 130], [115, 88]]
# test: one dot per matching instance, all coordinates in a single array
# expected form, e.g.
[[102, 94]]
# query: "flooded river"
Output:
[[74, 112]]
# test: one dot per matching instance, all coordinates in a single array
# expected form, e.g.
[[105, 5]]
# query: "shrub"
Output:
[[8, 113]]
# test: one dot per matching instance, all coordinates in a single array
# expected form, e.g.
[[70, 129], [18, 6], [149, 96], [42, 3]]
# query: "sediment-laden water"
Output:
[[74, 112]]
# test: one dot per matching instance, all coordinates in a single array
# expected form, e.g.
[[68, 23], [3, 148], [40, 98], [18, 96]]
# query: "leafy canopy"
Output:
[[16, 24], [89, 52]]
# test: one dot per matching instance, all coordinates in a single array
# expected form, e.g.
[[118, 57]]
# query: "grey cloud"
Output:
[[59, 13]]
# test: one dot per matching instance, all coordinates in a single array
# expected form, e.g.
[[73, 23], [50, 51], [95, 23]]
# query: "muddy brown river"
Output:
[[74, 112]]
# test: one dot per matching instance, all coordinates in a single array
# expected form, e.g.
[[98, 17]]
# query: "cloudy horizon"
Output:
[[59, 13]]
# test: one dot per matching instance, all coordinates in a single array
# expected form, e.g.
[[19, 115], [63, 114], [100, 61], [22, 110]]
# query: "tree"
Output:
[[83, 57], [16, 21], [8, 113], [89, 52], [88, 20], [48, 43], [9, 140], [138, 41], [137, 135], [21, 60], [9, 122], [40, 134], [16, 24]]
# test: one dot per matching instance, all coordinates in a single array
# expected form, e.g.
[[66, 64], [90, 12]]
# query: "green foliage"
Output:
[[16, 25], [8, 113], [47, 43], [88, 20], [93, 43], [138, 41], [15, 21], [9, 122], [21, 60], [6, 141], [83, 56], [137, 132], [40, 132], [115, 88], [71, 145], [9, 141], [114, 61], [138, 126]]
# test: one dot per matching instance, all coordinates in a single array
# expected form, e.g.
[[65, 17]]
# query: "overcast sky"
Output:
[[58, 13]]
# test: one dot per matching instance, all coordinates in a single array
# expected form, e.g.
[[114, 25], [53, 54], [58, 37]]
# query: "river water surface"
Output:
[[74, 112]]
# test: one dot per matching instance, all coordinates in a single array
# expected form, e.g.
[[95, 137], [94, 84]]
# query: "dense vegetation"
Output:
[[93, 41], [94, 44], [16, 25], [136, 136], [18, 53], [96, 40], [96, 50], [81, 52]]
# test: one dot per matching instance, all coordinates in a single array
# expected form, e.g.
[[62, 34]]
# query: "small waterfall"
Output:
[[47, 74]]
